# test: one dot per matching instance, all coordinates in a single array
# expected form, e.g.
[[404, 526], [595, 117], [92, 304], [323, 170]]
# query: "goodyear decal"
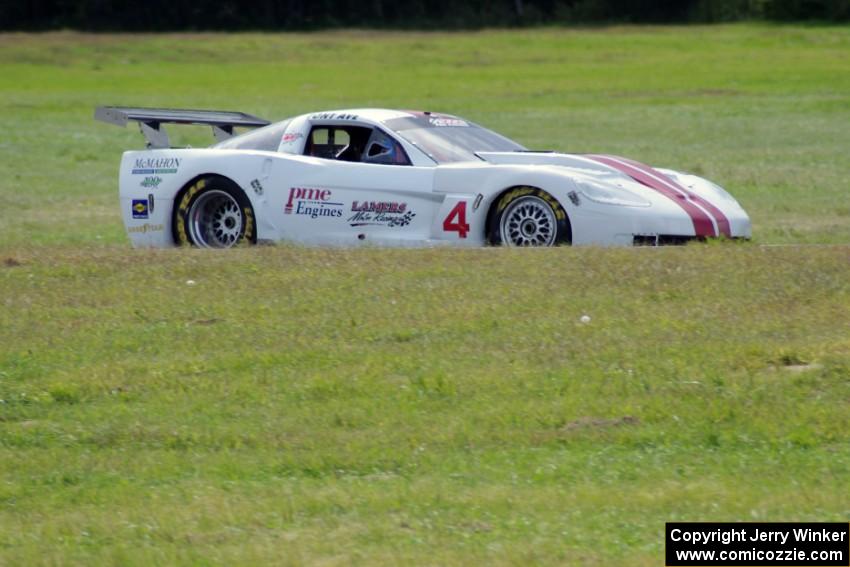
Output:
[[146, 228]]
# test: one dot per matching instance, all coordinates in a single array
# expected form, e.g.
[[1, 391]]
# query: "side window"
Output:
[[354, 143], [383, 149], [327, 143]]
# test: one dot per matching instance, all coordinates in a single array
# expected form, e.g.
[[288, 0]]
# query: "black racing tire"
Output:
[[527, 216], [213, 212]]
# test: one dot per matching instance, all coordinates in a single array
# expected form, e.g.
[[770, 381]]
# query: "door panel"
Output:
[[337, 202]]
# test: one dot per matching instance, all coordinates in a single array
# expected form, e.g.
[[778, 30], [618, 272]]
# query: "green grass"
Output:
[[762, 110], [447, 407]]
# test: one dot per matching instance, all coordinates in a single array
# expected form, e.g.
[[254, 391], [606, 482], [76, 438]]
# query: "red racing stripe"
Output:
[[703, 225], [719, 217]]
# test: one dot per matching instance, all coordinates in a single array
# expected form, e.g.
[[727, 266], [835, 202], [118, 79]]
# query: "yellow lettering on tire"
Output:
[[510, 196], [560, 214], [183, 207], [249, 226]]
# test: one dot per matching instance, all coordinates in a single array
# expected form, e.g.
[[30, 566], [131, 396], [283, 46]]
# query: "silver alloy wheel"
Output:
[[528, 221], [215, 220]]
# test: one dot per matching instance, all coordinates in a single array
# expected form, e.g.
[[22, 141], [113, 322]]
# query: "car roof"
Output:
[[373, 115]]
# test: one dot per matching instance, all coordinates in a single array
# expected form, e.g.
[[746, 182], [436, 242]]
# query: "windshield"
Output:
[[448, 139]]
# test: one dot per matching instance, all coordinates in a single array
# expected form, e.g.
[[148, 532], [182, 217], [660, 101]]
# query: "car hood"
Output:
[[701, 198], [601, 168]]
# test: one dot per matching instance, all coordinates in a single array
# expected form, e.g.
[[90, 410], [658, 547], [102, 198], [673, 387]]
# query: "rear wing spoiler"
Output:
[[151, 120]]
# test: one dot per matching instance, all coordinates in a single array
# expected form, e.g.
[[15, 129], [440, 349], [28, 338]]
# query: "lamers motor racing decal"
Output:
[[311, 202], [381, 213], [379, 207]]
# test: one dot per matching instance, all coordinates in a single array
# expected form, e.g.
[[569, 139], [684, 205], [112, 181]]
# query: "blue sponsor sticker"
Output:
[[140, 208]]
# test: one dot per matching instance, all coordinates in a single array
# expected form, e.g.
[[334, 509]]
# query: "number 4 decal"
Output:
[[456, 221]]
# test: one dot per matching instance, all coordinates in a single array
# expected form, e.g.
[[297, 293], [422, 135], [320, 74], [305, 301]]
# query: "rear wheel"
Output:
[[214, 213], [526, 216]]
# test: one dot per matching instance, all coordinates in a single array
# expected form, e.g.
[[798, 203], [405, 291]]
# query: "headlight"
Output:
[[606, 195], [720, 191], [701, 184]]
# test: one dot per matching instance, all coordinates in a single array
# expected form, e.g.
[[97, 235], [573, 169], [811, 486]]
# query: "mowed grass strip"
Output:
[[422, 406]]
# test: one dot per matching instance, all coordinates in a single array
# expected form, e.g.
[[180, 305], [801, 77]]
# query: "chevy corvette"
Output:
[[397, 178]]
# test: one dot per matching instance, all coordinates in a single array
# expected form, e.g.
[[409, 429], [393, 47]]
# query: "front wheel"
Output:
[[214, 213], [526, 216]]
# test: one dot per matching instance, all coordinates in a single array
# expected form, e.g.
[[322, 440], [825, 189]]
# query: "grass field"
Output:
[[445, 407]]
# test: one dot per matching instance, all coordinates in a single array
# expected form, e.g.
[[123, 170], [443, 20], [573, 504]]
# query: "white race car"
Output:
[[390, 177]]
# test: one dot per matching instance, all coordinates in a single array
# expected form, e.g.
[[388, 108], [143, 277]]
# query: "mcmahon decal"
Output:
[[154, 166], [380, 213], [311, 202]]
